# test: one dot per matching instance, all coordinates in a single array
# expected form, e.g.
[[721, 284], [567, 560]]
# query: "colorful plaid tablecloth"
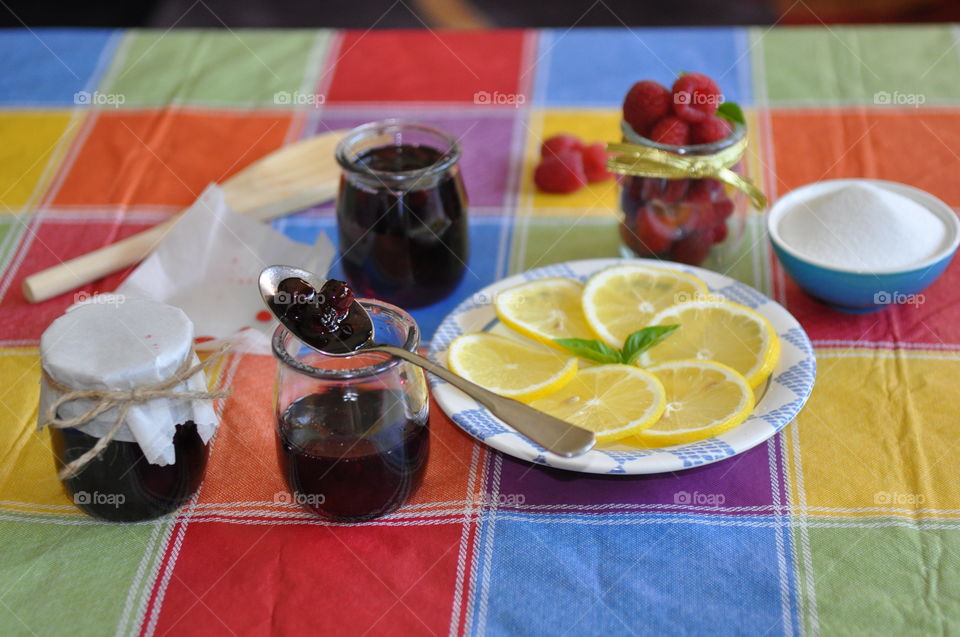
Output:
[[848, 522]]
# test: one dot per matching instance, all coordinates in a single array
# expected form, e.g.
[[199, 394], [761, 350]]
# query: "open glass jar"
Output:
[[402, 212], [684, 220], [353, 432]]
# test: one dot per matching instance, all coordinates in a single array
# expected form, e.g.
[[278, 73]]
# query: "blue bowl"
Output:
[[859, 290]]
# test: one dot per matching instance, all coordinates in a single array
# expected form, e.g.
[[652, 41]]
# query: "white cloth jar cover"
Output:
[[120, 343]]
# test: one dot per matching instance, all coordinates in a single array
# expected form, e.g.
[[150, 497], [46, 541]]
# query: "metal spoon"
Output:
[[554, 434]]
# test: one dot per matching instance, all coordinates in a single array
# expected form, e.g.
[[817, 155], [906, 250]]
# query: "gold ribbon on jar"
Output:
[[645, 161]]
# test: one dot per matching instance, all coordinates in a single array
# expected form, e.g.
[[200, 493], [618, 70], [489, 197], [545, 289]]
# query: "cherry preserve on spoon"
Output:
[[324, 315]]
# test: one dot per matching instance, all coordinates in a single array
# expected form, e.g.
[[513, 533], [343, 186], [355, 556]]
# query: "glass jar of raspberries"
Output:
[[684, 219]]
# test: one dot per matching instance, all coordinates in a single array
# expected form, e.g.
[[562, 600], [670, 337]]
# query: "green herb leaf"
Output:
[[642, 340], [590, 349], [731, 111]]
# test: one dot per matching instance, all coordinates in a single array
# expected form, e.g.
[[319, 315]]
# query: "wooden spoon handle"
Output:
[[289, 179]]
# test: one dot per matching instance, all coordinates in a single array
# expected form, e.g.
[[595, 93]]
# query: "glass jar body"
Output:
[[352, 432], [692, 221], [120, 485], [402, 212]]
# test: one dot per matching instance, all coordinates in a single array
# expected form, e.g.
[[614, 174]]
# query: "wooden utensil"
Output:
[[289, 179]]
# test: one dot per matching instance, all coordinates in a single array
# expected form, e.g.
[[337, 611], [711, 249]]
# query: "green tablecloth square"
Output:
[[887, 580], [540, 241], [217, 68], [115, 564], [11, 229], [882, 65]]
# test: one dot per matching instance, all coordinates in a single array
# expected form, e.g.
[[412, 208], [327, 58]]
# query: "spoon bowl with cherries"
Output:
[[325, 316]]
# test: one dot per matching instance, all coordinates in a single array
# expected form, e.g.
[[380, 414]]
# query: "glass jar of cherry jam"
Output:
[[693, 221], [155, 461], [352, 432], [402, 212]]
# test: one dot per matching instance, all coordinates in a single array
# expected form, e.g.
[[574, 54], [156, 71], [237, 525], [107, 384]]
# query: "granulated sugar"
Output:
[[863, 227]]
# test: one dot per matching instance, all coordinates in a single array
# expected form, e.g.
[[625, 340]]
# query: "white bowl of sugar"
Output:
[[863, 244]]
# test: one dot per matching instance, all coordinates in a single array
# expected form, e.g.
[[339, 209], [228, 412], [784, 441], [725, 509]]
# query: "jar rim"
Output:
[[632, 136], [411, 344], [449, 158]]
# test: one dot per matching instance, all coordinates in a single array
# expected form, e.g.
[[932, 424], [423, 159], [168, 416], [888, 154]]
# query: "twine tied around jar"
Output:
[[123, 399], [645, 161]]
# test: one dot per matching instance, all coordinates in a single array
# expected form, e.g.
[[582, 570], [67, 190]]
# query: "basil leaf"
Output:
[[642, 340], [731, 111], [590, 349]]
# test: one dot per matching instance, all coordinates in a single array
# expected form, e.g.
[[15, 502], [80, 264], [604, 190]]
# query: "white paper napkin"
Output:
[[208, 265]]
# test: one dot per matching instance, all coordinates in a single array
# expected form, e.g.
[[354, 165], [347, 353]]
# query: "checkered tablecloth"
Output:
[[847, 522]]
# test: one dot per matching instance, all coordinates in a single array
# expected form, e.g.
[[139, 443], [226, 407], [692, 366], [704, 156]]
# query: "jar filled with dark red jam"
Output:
[[353, 432], [402, 212], [156, 460]]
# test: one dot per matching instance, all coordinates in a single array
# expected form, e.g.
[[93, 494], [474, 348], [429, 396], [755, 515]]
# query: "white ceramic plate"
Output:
[[778, 403]]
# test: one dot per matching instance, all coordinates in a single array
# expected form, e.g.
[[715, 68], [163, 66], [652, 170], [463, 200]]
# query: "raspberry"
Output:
[[712, 129], [704, 190], [719, 232], [695, 96], [562, 173], [654, 233], [723, 208], [645, 103], [665, 190], [693, 248], [554, 145], [595, 162], [671, 131]]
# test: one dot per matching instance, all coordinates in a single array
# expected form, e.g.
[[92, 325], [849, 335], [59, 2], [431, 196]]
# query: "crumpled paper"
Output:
[[208, 265]]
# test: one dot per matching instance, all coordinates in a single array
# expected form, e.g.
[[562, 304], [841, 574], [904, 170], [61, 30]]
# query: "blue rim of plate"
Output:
[[778, 403]]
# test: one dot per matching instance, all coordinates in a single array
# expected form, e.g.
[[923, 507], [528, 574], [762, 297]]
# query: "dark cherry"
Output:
[[327, 318], [337, 295], [297, 289]]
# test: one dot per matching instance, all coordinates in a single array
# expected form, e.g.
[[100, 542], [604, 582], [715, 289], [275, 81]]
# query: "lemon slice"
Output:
[[621, 299], [613, 401], [508, 367], [544, 309], [719, 331], [704, 399]]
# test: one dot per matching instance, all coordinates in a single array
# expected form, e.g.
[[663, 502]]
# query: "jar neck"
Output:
[[355, 147], [632, 137], [391, 326]]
